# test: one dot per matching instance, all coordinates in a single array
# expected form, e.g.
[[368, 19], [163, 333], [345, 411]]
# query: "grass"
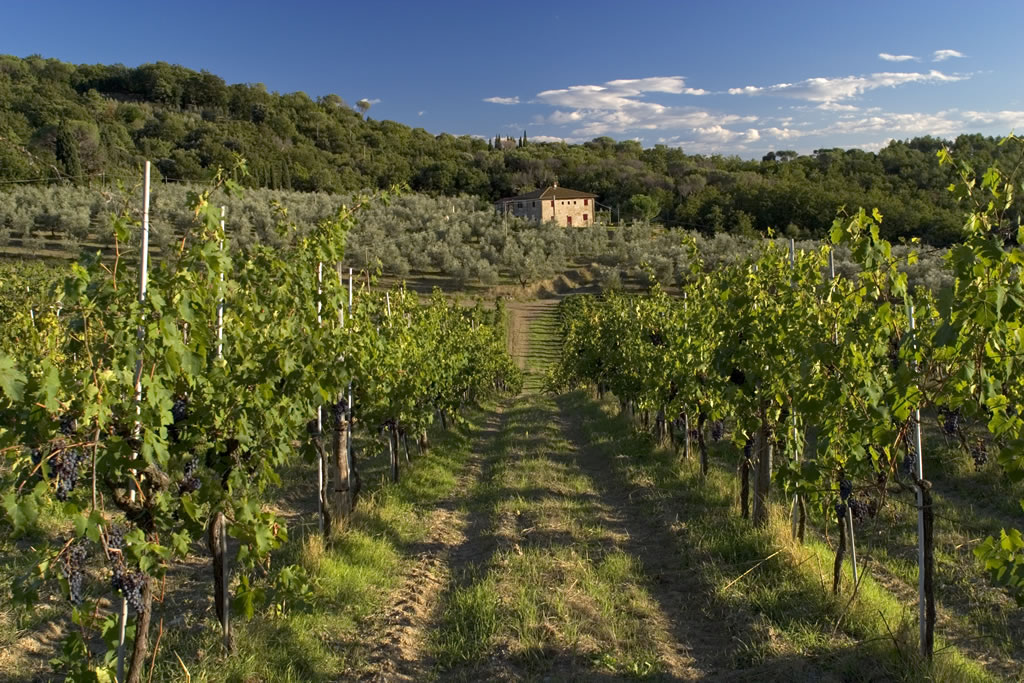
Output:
[[351, 578], [554, 594], [788, 611]]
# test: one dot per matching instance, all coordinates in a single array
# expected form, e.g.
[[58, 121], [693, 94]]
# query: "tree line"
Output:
[[91, 123]]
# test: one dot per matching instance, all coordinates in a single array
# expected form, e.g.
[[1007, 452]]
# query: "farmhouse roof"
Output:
[[552, 192]]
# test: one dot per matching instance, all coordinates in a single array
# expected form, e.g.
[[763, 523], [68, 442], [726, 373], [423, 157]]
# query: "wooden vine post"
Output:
[[343, 501]]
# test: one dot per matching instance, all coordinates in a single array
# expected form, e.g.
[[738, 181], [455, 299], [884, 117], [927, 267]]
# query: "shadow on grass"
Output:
[[779, 622]]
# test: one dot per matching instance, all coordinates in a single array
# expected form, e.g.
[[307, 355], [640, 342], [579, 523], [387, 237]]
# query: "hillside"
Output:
[[95, 123]]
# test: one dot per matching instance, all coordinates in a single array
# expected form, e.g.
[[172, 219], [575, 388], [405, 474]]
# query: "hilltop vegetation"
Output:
[[93, 123]]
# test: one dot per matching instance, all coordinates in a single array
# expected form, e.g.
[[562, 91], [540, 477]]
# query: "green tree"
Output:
[[644, 207], [66, 150]]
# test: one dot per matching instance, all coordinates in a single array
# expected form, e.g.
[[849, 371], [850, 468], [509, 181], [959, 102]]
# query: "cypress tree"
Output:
[[524, 138], [66, 150]]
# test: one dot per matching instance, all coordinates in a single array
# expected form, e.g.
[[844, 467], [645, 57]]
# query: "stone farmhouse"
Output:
[[564, 206]]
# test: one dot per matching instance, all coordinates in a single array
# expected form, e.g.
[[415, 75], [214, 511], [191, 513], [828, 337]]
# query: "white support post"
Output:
[[853, 546], [919, 476], [319, 409], [349, 403], [220, 301], [122, 627], [137, 430], [143, 281]]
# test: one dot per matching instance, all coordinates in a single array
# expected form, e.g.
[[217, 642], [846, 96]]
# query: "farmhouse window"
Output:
[[552, 203], [584, 218], [585, 202]]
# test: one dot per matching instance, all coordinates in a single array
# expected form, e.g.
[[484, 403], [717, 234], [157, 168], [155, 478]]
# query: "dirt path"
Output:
[[695, 640], [398, 639]]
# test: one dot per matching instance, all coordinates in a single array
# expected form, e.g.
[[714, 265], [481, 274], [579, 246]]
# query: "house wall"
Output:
[[580, 210], [529, 209]]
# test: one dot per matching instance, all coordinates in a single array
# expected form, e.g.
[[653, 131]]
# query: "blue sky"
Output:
[[727, 77]]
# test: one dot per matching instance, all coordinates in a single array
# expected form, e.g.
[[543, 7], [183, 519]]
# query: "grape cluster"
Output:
[[840, 512], [313, 427], [71, 567], [748, 449], [68, 424], [130, 583], [179, 414], [952, 421], [66, 469], [845, 489], [717, 430], [980, 454], [190, 483], [339, 411], [115, 537], [910, 462], [859, 508], [36, 455]]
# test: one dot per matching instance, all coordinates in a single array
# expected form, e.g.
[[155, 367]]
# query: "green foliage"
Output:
[[190, 123], [219, 410], [778, 345]]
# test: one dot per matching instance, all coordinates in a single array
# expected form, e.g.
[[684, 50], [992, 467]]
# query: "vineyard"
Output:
[[246, 462]]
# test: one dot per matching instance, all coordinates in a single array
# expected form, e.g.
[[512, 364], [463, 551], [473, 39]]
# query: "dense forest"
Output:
[[89, 124]]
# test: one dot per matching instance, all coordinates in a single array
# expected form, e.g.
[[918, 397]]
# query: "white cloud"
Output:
[[1004, 119], [916, 123], [835, 106], [874, 146], [502, 100], [621, 106], [943, 55], [897, 58], [420, 113], [784, 133], [375, 100], [833, 89], [546, 138], [617, 94]]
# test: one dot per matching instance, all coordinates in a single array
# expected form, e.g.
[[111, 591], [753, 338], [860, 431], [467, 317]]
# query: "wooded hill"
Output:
[[93, 123]]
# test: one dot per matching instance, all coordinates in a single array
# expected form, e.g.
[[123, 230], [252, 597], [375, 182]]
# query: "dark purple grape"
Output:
[[841, 511], [190, 482], [66, 468], [115, 537], [860, 509], [748, 448], [130, 584], [845, 489], [339, 411], [71, 567], [68, 424], [179, 415], [909, 465], [980, 454], [179, 411], [717, 430], [951, 421]]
